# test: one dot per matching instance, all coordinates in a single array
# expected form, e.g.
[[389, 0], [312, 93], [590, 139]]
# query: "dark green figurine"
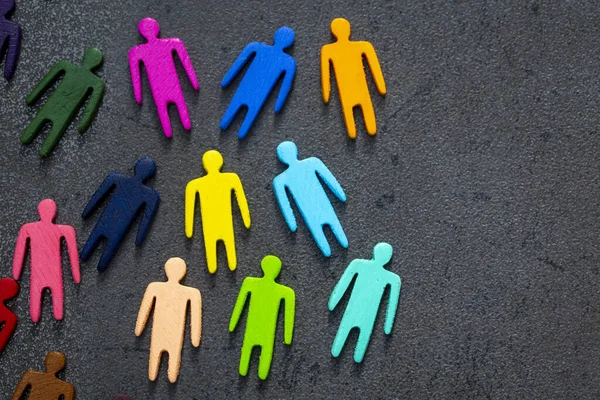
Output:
[[63, 105]]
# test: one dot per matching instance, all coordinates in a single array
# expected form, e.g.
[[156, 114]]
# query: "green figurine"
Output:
[[265, 299], [63, 105]]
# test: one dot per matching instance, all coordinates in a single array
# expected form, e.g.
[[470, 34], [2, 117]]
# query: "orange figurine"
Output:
[[346, 57]]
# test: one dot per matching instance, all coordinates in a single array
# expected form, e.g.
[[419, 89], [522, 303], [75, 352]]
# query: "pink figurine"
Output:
[[157, 56], [46, 266]]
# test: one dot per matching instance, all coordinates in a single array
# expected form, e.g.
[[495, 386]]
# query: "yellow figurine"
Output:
[[346, 57], [215, 207]]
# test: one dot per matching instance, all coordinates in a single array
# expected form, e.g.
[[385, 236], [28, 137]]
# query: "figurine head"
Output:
[[55, 362], [340, 28], [382, 253], [47, 210], [144, 169], [8, 288], [6, 7], [175, 269], [149, 28], [92, 58], [284, 37], [271, 266], [287, 152], [212, 161]]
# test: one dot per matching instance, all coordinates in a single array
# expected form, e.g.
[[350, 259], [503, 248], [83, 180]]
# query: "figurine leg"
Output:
[[349, 118], [230, 114], [338, 232], [163, 116], [174, 364], [340, 338], [369, 117], [248, 121], [229, 242], [184, 116], [90, 245], [264, 363], [245, 358], [34, 127], [58, 297], [57, 131], [363, 342]]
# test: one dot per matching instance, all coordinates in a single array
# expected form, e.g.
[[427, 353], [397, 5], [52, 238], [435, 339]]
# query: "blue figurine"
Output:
[[301, 179], [10, 38], [269, 64], [130, 197], [371, 280]]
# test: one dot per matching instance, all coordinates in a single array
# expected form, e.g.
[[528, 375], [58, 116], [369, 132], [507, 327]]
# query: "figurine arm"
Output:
[[46, 81], [390, 314], [102, 191], [288, 316], [284, 204], [286, 86], [325, 74], [239, 306], [187, 64], [21, 386], [12, 53], [373, 61], [239, 63], [136, 76], [240, 196], [196, 317], [150, 207], [92, 107], [342, 286], [20, 251], [190, 206], [330, 180], [68, 233], [145, 310]]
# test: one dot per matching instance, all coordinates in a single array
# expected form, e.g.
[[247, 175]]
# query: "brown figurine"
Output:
[[45, 385]]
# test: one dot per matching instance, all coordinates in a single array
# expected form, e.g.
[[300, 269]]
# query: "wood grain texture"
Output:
[[129, 196], [10, 38], [9, 288], [170, 300], [346, 57], [44, 238], [45, 385], [157, 57], [215, 189], [301, 180]]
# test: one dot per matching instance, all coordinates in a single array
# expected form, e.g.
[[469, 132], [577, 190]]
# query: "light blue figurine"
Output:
[[301, 179], [365, 299], [268, 66]]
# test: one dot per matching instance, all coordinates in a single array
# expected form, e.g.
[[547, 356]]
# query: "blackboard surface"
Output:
[[483, 176]]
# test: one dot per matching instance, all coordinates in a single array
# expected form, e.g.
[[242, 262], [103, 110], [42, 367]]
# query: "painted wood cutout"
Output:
[[261, 325], [157, 58], [8, 319], [77, 85], [170, 300], [215, 190], [44, 239], [45, 385], [301, 179], [346, 57], [371, 280], [130, 196]]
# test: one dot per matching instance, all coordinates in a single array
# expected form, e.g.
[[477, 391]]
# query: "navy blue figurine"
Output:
[[268, 66], [130, 197], [10, 38]]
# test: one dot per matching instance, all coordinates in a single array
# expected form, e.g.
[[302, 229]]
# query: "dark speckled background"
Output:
[[483, 176]]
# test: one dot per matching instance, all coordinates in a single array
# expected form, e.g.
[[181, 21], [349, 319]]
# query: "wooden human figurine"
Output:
[[170, 301], [8, 320], [45, 385], [346, 57], [10, 38], [215, 189], [45, 239]]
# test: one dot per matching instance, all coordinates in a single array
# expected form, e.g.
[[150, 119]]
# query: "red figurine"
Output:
[[8, 320]]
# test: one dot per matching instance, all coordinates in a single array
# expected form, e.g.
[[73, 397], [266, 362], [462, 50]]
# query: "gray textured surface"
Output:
[[483, 176]]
